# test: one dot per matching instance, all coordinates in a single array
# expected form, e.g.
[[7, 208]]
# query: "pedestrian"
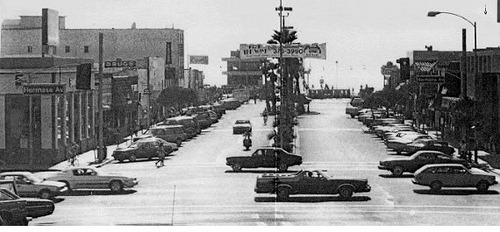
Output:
[[492, 145], [161, 156], [462, 150]]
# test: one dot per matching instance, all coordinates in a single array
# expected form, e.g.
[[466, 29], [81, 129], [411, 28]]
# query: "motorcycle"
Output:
[[247, 142]]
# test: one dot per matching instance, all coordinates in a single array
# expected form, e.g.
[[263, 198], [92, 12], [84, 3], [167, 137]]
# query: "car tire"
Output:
[[282, 167], [178, 142], [236, 167], [132, 158], [6, 219], [22, 222], [45, 194], [397, 171], [121, 160], [482, 186], [345, 191], [116, 186], [283, 193], [436, 186]]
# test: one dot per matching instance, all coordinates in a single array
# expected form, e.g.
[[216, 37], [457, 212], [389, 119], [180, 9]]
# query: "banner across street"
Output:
[[252, 51]]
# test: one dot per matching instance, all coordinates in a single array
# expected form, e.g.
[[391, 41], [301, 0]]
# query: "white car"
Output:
[[29, 185], [91, 178]]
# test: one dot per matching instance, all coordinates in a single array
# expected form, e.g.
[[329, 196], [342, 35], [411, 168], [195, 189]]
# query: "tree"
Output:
[[177, 97]]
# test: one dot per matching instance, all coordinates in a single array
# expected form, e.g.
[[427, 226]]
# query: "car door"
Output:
[[270, 159], [420, 161], [316, 183], [80, 180], [257, 159], [24, 186]]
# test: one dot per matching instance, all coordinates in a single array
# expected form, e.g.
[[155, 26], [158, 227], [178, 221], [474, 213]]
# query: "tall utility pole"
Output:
[[285, 98], [101, 155]]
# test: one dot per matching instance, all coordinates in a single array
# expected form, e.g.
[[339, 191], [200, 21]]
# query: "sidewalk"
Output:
[[491, 161], [89, 158]]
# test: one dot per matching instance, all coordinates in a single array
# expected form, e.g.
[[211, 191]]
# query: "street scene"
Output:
[[204, 113]]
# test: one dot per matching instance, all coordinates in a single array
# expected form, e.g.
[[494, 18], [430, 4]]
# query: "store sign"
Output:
[[43, 89], [428, 72], [252, 51], [120, 63]]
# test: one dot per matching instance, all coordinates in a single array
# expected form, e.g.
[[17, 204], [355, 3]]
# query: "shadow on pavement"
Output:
[[492, 160], [312, 199], [455, 192], [391, 176], [57, 200], [154, 159], [260, 171], [98, 192]]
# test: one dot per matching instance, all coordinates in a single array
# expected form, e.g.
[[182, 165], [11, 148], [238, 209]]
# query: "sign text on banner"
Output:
[[250, 51]]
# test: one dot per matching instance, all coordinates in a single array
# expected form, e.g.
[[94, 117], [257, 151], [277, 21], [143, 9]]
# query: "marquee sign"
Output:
[[428, 72]]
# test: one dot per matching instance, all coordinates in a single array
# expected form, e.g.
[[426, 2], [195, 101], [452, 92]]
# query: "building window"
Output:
[[85, 49], [168, 55], [30, 49], [66, 49]]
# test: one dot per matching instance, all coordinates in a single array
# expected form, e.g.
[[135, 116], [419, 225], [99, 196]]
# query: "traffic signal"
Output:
[[404, 68], [83, 76]]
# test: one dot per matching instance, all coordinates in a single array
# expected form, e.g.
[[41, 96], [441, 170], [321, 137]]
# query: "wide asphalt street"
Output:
[[195, 187]]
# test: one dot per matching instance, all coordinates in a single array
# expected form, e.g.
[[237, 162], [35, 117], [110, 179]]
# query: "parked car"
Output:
[[266, 157], [143, 147], [429, 145], [189, 122], [398, 144], [90, 178], [29, 185], [213, 116], [170, 133], [230, 103], [399, 134], [437, 176], [411, 164], [309, 182], [203, 120], [16, 211], [242, 126]]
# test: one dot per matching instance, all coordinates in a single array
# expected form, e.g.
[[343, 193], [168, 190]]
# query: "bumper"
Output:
[[395, 146], [61, 191], [130, 184], [383, 167], [418, 183], [367, 188]]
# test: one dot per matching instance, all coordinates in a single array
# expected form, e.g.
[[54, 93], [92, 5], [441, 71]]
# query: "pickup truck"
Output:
[[15, 210], [266, 157], [309, 182]]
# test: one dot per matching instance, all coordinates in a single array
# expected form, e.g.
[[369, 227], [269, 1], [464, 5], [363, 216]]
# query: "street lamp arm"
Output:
[[445, 12]]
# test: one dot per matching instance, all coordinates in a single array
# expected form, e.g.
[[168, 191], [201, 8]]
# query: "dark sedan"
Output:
[[429, 145], [143, 148], [268, 157], [411, 164]]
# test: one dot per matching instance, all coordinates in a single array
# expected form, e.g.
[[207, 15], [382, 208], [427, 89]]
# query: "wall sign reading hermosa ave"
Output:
[[43, 89]]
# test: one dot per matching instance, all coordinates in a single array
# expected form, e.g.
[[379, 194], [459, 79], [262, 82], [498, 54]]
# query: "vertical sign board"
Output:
[[50, 27]]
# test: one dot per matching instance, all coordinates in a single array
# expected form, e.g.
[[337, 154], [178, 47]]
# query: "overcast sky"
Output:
[[362, 35]]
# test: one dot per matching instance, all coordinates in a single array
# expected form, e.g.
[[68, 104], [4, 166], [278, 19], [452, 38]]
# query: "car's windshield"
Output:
[[242, 122]]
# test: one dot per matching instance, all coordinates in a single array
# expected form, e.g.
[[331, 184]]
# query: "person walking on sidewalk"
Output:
[[161, 156]]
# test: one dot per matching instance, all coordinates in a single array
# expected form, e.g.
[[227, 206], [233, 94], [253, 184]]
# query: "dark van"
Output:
[[189, 122], [171, 133]]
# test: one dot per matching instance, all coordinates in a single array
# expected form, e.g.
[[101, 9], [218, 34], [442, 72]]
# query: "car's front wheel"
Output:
[[346, 191], [436, 186], [178, 142], [482, 186], [116, 186], [283, 193], [397, 171], [45, 194], [236, 167], [282, 167], [132, 158]]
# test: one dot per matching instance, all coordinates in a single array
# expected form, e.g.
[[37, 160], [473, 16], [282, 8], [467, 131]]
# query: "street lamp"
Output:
[[433, 14]]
